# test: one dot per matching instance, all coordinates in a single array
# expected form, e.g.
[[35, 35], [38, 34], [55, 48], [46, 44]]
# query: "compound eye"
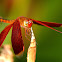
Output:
[[30, 24], [25, 23]]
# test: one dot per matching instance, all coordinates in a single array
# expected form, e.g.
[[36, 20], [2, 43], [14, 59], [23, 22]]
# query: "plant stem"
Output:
[[31, 54]]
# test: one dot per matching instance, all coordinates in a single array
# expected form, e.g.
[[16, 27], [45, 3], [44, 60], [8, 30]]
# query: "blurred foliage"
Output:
[[49, 42]]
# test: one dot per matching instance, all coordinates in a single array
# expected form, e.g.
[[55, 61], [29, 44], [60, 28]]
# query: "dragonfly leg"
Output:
[[27, 33], [27, 38]]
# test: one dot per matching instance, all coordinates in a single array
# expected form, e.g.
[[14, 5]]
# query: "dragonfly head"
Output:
[[25, 22], [28, 23]]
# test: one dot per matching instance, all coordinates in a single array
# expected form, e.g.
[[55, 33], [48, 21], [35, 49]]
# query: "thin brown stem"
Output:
[[31, 54]]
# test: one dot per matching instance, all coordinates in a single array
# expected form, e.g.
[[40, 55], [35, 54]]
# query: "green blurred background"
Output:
[[49, 42]]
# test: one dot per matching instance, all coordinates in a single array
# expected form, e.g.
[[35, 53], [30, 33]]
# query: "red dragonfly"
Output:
[[16, 38]]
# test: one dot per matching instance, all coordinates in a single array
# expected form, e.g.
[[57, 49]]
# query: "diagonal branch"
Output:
[[31, 54]]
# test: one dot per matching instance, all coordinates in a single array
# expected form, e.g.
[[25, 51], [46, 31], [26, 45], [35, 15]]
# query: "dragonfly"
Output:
[[16, 24]]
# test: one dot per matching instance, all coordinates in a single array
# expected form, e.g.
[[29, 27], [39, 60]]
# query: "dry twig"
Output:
[[31, 54]]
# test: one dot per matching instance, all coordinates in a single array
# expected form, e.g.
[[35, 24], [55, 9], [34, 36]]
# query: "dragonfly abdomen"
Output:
[[4, 20]]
